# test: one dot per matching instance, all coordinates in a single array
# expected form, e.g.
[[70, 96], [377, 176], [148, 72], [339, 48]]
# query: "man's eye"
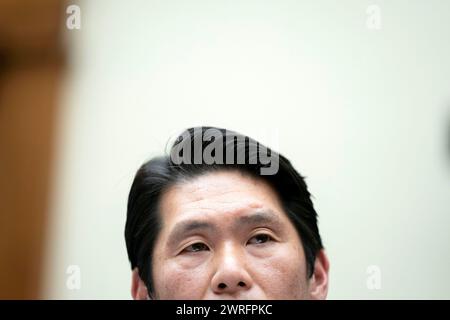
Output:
[[260, 238], [196, 247]]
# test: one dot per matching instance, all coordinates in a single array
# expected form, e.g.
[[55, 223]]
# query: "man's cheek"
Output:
[[181, 283], [283, 276], [294, 279]]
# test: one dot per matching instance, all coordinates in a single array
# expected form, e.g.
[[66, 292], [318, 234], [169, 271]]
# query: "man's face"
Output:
[[225, 236]]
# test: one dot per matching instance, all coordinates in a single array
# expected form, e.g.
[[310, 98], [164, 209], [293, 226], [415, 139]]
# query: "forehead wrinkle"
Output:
[[220, 203]]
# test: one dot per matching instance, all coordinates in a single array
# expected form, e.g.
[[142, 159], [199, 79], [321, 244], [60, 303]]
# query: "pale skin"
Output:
[[225, 236]]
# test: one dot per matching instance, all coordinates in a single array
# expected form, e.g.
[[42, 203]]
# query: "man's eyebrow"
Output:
[[259, 217], [185, 227]]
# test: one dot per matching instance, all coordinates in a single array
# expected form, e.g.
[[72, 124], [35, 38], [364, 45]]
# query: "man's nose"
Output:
[[231, 274]]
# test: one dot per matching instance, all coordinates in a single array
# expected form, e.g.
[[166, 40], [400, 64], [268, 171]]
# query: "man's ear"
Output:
[[138, 287], [318, 284]]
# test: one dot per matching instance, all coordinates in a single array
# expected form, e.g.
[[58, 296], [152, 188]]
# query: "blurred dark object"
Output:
[[31, 65], [446, 123]]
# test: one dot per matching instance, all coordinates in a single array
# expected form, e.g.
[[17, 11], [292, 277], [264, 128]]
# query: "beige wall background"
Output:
[[363, 113]]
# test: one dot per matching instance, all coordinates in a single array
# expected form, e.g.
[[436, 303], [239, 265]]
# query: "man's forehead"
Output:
[[213, 196], [213, 211], [217, 183]]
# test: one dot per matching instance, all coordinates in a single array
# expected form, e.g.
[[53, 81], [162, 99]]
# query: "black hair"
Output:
[[156, 175]]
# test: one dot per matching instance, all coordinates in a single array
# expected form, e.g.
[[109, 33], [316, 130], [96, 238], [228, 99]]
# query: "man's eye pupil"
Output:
[[261, 238], [198, 247]]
